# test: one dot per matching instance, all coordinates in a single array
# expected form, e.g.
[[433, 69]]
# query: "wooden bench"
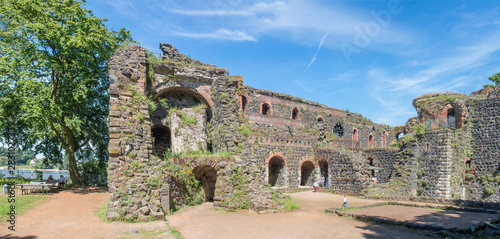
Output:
[[33, 187]]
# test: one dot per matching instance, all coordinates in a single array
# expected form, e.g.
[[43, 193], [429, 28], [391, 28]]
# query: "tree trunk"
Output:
[[73, 168]]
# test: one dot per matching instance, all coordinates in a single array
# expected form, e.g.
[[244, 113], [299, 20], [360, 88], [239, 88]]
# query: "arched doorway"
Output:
[[276, 167], [207, 175], [161, 140], [305, 172], [323, 172]]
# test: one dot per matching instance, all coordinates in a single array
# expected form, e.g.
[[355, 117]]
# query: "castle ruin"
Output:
[[262, 142]]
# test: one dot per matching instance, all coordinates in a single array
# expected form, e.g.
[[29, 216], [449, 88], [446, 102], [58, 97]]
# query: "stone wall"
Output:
[[133, 178], [384, 158], [434, 164], [348, 170], [484, 165]]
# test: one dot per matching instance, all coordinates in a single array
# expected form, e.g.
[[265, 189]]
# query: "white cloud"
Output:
[[319, 47], [221, 34]]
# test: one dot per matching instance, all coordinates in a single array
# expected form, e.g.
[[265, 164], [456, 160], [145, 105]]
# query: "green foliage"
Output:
[[175, 233], [193, 186], [495, 78], [419, 131], [469, 176], [420, 173], [223, 95], [199, 108], [243, 129], [291, 205], [185, 119], [489, 86], [239, 196], [53, 79], [102, 211], [286, 201], [489, 190], [22, 157], [22, 204]]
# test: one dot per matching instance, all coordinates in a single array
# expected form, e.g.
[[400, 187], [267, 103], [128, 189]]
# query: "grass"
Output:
[[22, 204], [176, 233], [102, 212], [148, 234]]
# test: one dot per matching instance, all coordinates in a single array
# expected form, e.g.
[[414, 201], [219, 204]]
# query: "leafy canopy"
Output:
[[53, 79]]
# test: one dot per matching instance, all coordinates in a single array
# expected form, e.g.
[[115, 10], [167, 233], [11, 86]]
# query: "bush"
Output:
[[489, 190], [419, 131], [291, 205]]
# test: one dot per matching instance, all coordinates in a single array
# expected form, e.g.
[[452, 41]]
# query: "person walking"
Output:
[[345, 201], [315, 185]]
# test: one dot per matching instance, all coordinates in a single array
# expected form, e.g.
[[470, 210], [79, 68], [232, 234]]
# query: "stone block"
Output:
[[114, 151], [114, 113], [114, 136]]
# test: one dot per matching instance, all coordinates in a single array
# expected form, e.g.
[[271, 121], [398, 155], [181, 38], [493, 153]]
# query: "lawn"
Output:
[[22, 204]]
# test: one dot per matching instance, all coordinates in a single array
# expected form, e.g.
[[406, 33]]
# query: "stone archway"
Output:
[[323, 172], [208, 176], [276, 167], [306, 169], [206, 171]]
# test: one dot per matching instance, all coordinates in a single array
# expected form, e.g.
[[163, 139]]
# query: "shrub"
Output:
[[291, 205], [489, 190], [419, 131]]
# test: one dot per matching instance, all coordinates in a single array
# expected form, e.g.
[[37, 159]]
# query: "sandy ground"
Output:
[[70, 213], [428, 216], [308, 222]]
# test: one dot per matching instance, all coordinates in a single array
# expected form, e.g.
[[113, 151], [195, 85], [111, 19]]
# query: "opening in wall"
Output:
[[338, 129], [451, 118], [243, 103], [305, 172], [276, 177], [355, 135], [161, 140], [266, 109], [295, 113]]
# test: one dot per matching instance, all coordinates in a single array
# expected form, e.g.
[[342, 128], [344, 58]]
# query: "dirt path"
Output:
[[427, 216], [71, 214], [309, 222]]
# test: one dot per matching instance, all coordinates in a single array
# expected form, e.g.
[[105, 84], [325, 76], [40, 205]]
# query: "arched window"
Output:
[[243, 103], [338, 129], [400, 135], [295, 113], [265, 109], [370, 141], [320, 120], [355, 134]]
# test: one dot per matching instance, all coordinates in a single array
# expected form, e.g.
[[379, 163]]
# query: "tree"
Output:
[[495, 78], [53, 78]]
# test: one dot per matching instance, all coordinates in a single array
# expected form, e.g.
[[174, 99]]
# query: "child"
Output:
[[345, 201], [315, 185]]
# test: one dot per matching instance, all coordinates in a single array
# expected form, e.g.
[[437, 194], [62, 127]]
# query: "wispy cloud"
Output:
[[221, 34], [212, 12], [319, 47]]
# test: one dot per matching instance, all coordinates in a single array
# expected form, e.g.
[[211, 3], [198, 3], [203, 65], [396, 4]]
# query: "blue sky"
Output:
[[371, 57]]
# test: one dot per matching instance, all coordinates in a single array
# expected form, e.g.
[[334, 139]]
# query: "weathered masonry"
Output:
[[184, 132]]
